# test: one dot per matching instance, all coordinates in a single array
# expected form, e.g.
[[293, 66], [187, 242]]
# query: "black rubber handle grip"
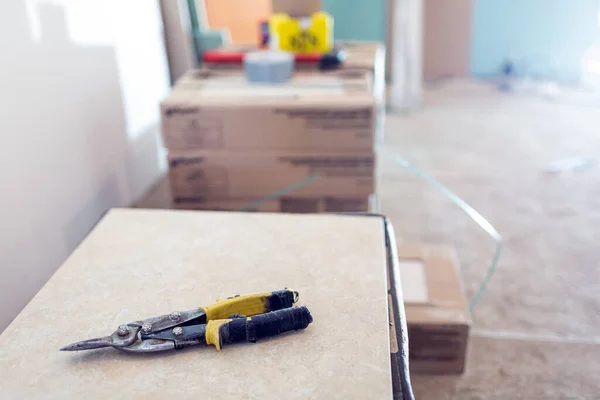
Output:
[[281, 299], [264, 325]]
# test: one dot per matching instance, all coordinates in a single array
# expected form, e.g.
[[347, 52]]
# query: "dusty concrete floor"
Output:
[[536, 332]]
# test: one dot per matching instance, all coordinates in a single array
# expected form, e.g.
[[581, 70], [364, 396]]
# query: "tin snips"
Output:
[[233, 320]]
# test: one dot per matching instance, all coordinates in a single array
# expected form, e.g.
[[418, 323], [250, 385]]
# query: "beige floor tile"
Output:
[[492, 150], [519, 369]]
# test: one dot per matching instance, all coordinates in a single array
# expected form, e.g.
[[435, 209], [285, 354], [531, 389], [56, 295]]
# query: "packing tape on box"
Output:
[[269, 66]]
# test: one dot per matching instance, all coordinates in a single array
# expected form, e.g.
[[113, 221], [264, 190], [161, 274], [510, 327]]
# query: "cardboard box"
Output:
[[436, 309], [367, 56], [285, 204], [139, 263], [211, 110], [296, 8], [361, 57], [226, 174]]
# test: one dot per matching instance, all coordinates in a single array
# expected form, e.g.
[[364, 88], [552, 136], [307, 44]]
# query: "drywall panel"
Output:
[[446, 38]]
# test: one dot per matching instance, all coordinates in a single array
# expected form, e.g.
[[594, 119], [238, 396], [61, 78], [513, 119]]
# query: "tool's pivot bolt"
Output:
[[178, 331], [123, 330], [147, 327], [175, 316]]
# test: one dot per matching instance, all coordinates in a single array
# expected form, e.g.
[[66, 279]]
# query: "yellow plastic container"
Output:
[[302, 35]]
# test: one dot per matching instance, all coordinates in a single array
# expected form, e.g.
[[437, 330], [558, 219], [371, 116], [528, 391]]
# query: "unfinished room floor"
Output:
[[536, 331]]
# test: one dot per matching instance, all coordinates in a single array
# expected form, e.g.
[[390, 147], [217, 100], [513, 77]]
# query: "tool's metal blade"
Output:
[[167, 321], [149, 346], [126, 335], [90, 344]]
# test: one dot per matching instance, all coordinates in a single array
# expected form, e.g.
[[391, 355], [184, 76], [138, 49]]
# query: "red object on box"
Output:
[[237, 57]]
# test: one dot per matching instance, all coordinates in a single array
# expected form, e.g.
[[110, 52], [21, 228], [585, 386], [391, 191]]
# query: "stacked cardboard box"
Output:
[[363, 56], [231, 142], [360, 56], [437, 313], [369, 56]]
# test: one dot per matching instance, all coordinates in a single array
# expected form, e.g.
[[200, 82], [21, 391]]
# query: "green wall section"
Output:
[[358, 19], [546, 38]]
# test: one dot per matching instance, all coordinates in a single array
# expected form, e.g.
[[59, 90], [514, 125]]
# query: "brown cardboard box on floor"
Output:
[[212, 110], [436, 309], [285, 204], [226, 174]]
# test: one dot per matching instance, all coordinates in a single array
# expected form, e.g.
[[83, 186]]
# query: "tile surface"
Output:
[[518, 369], [137, 264]]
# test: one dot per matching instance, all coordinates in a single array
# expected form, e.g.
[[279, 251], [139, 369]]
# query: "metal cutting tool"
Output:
[[233, 320]]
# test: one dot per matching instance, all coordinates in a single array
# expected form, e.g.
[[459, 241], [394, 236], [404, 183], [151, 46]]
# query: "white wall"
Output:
[[80, 86]]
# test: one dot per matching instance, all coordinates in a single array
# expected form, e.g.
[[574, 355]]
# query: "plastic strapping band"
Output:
[[252, 206], [458, 201], [474, 215]]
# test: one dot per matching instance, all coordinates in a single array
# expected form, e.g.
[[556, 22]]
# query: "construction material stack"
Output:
[[303, 145]]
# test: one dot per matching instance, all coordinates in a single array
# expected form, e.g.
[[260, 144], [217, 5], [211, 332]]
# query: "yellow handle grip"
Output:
[[251, 304], [212, 334]]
